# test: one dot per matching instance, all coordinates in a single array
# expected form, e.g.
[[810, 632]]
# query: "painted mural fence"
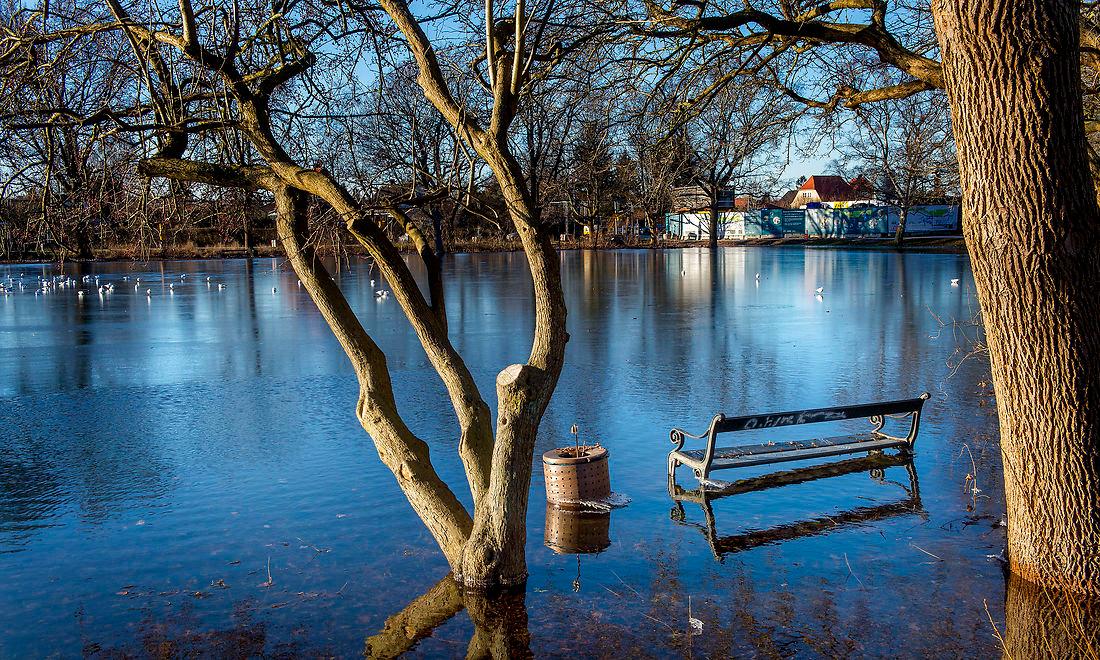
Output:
[[836, 222]]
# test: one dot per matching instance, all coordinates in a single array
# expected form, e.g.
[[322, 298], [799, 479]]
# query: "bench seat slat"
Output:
[[747, 455]]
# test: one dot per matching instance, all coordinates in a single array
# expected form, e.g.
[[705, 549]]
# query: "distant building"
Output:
[[786, 201], [686, 199], [694, 198], [823, 188]]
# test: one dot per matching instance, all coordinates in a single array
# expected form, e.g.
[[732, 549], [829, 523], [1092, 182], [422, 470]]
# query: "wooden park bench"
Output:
[[704, 461]]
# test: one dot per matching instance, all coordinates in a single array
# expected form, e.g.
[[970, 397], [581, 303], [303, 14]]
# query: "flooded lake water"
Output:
[[181, 470]]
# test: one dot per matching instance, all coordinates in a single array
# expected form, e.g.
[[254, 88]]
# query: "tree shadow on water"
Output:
[[500, 622]]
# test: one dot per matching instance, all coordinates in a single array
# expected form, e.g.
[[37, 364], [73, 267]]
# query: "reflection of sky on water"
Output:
[[153, 445]]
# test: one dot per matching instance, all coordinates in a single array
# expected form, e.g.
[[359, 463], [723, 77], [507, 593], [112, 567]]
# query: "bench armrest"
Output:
[[680, 436], [914, 426]]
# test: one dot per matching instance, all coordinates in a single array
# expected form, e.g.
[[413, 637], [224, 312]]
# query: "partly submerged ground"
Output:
[[181, 471]]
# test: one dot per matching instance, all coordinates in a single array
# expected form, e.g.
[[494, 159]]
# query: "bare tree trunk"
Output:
[[899, 235], [651, 222], [1012, 71], [437, 229], [712, 241], [495, 552], [407, 456]]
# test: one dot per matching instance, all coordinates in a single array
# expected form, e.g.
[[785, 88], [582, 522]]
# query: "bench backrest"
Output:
[[816, 415]]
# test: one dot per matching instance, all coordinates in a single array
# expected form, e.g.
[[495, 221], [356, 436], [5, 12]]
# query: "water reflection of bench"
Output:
[[703, 461], [875, 466]]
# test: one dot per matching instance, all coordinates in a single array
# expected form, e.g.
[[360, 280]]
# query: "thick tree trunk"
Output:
[[495, 554], [1012, 72]]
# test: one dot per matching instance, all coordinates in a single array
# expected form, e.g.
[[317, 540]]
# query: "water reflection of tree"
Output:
[[1047, 623], [741, 618], [500, 622]]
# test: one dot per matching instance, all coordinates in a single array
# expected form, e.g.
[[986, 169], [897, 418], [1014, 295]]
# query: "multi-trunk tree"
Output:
[[209, 70]]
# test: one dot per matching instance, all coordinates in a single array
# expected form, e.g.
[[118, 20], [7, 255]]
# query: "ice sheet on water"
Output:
[[612, 501], [716, 484]]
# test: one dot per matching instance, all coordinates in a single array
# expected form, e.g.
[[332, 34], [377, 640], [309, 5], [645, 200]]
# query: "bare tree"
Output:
[[904, 147], [69, 167], [737, 143], [248, 71], [657, 156]]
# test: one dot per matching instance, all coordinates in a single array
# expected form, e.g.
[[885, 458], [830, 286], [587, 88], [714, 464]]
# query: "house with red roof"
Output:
[[824, 188]]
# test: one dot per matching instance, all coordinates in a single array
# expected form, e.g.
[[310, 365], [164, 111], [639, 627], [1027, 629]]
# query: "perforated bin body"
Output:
[[570, 481]]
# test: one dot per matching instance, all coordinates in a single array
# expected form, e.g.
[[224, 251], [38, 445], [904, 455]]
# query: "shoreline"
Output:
[[911, 244]]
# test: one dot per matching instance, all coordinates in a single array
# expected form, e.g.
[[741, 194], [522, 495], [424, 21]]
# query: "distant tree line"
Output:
[[604, 144]]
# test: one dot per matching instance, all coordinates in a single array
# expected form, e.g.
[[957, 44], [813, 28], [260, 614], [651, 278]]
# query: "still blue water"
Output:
[[181, 468]]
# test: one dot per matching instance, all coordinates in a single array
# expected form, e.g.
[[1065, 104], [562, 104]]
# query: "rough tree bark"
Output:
[[1012, 72], [494, 554]]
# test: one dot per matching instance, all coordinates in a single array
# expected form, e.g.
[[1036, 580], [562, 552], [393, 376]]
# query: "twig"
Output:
[[853, 573], [653, 619], [269, 582], [612, 590], [626, 585], [996, 630], [925, 551]]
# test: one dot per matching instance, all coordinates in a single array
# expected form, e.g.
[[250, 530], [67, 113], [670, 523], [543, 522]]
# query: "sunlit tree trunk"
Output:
[[1012, 72], [903, 216]]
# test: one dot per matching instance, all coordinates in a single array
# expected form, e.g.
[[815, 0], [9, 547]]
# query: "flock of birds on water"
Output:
[[46, 285], [60, 283], [42, 286]]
